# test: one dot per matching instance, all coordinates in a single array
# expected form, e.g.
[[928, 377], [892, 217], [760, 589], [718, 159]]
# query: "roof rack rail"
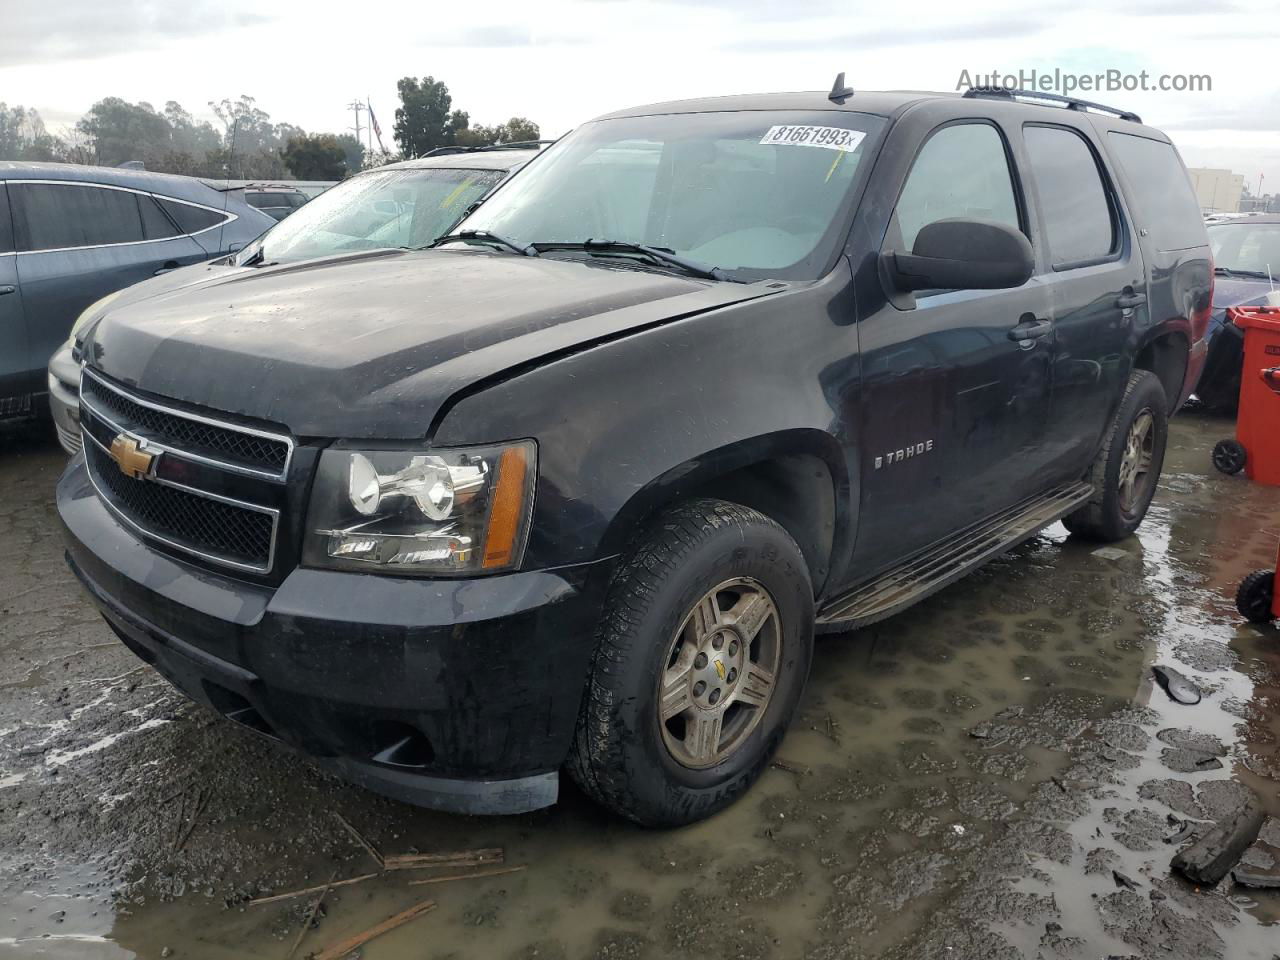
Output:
[[1071, 103], [512, 145]]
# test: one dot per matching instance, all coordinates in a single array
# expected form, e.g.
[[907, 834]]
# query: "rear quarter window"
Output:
[[191, 219], [1160, 191]]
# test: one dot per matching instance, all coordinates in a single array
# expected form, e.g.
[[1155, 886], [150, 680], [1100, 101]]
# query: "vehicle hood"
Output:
[[374, 345], [1235, 292]]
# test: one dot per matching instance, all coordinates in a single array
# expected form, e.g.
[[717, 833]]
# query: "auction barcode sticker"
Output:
[[800, 135]]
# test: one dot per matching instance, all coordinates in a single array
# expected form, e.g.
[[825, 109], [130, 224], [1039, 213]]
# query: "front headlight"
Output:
[[417, 512], [89, 314]]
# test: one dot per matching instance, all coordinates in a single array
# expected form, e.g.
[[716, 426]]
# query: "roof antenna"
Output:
[[839, 92]]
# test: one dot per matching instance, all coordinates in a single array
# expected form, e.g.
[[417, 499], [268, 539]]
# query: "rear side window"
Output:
[[962, 171], [6, 230], [192, 219], [155, 225], [1079, 225], [53, 216], [1164, 203]]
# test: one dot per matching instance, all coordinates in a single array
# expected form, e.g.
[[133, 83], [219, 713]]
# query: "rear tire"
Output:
[[702, 654], [1127, 469], [1255, 596]]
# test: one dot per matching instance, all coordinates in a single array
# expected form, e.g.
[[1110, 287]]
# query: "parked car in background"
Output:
[[1246, 258], [277, 201], [70, 234], [406, 204], [399, 205], [574, 488]]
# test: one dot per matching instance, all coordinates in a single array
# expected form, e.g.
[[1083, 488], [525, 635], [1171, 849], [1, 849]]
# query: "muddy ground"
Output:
[[991, 775]]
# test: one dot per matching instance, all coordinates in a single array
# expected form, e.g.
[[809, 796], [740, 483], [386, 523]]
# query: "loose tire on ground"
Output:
[[1255, 596], [707, 572], [1112, 514]]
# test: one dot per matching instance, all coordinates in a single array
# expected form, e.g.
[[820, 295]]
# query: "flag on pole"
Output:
[[377, 130]]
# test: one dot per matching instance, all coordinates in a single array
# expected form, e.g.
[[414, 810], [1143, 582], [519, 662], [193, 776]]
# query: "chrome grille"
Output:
[[183, 496], [183, 518], [233, 445]]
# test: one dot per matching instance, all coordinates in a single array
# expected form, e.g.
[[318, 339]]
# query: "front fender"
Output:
[[628, 424]]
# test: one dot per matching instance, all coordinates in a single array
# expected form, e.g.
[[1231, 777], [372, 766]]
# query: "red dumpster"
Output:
[[1257, 444]]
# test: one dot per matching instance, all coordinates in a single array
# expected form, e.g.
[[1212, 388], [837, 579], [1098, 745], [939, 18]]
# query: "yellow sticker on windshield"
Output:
[[803, 135]]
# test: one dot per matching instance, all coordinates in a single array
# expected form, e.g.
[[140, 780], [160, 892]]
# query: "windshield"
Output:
[[1246, 247], [387, 208], [757, 193]]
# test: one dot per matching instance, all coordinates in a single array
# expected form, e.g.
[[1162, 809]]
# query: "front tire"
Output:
[[702, 655], [1127, 469]]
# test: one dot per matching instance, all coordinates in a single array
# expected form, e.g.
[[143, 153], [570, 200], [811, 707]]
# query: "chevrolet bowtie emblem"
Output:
[[129, 456]]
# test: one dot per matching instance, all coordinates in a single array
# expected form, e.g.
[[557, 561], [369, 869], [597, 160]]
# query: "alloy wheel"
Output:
[[721, 673], [1135, 465]]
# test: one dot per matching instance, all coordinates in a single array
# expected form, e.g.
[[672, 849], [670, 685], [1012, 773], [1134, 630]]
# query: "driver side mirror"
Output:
[[959, 254]]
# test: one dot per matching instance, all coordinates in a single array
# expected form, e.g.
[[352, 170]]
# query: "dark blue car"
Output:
[[1246, 257], [70, 235]]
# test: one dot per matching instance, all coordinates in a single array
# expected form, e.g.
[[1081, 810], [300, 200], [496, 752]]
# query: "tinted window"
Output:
[[1163, 201], [50, 216], [1078, 224], [192, 219], [6, 231], [155, 225], [962, 171]]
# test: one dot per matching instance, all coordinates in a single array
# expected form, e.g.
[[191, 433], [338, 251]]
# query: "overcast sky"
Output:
[[564, 61]]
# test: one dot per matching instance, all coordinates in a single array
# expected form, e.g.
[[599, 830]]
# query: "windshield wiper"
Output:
[[1233, 272], [485, 236], [661, 255]]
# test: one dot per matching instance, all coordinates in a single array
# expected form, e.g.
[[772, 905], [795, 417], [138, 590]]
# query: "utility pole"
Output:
[[356, 106]]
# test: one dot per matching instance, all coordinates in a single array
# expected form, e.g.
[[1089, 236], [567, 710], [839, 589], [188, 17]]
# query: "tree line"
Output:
[[244, 144]]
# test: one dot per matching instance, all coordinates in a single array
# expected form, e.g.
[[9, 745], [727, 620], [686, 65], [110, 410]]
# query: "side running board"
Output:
[[945, 562]]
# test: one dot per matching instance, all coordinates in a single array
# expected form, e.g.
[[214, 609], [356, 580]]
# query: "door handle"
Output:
[[8, 288], [1031, 328], [1128, 300], [169, 265]]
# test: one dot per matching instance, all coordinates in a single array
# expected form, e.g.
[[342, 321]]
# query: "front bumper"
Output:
[[64, 398], [459, 695]]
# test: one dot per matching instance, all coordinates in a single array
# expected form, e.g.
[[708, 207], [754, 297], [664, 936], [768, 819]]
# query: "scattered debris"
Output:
[[796, 768], [1188, 830], [311, 916], [202, 801], [461, 858], [277, 897], [1211, 857], [1122, 881], [1111, 553], [343, 947], [474, 875], [1259, 866], [1178, 687], [360, 838]]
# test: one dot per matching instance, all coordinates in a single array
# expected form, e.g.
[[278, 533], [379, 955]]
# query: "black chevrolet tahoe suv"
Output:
[[575, 489]]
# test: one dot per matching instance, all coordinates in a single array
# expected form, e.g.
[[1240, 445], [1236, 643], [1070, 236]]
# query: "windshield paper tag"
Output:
[[832, 138]]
